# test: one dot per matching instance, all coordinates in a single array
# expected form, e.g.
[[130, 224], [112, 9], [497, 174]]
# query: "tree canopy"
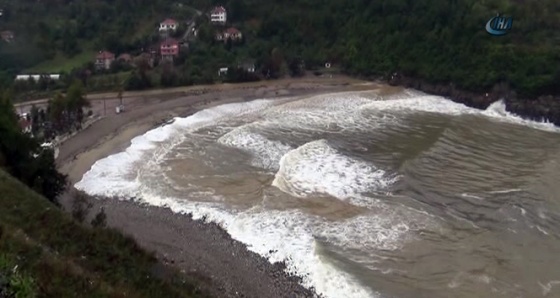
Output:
[[439, 41], [23, 157]]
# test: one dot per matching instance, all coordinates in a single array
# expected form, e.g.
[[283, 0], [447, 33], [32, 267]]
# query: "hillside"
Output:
[[45, 253], [435, 42]]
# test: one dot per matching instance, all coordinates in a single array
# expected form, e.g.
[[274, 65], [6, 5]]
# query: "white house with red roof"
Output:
[[218, 15], [168, 25], [104, 59]]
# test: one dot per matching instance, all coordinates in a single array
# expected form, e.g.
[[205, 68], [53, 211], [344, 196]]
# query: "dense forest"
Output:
[[439, 41]]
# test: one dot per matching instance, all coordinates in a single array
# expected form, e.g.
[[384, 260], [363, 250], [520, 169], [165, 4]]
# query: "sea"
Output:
[[363, 194]]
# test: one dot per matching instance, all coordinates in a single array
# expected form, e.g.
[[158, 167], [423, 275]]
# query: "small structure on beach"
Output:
[[119, 109]]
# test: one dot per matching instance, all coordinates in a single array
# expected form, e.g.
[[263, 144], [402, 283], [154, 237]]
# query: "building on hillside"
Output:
[[168, 25], [218, 15], [222, 71], [36, 77], [229, 33], [247, 65], [7, 36], [103, 60], [169, 49]]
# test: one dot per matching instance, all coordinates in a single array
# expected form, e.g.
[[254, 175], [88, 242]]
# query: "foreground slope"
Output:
[[54, 256]]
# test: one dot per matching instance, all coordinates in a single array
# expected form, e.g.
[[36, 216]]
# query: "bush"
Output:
[[100, 220], [14, 283], [80, 206]]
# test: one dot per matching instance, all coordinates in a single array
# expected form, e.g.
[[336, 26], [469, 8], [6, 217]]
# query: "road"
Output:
[[191, 25]]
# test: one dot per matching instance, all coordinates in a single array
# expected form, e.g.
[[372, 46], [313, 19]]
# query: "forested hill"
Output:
[[440, 41]]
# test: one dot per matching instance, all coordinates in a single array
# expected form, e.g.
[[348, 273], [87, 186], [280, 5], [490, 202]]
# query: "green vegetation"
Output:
[[45, 253], [61, 63], [439, 42], [23, 157]]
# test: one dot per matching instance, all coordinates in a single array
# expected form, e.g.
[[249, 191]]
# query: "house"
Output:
[[248, 66], [104, 59], [168, 25], [229, 33], [218, 15], [7, 36], [222, 71], [169, 49]]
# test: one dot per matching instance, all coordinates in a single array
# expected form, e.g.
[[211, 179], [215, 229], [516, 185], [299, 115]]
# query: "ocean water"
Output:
[[364, 195]]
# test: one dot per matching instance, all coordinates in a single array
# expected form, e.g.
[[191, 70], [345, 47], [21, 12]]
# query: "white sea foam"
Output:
[[288, 236], [420, 103], [118, 174], [316, 168], [413, 101], [266, 153], [328, 113], [497, 110], [505, 191]]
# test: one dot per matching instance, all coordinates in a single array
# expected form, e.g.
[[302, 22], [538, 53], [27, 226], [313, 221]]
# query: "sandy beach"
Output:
[[222, 266]]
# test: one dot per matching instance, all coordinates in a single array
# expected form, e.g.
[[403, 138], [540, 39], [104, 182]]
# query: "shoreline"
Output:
[[203, 251]]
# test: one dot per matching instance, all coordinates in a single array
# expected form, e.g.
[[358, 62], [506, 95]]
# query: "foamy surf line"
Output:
[[265, 233], [280, 236], [283, 236]]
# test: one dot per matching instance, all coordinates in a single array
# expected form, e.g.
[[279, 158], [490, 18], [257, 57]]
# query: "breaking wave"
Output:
[[317, 168]]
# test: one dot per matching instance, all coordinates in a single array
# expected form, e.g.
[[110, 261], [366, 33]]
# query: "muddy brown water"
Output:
[[400, 195]]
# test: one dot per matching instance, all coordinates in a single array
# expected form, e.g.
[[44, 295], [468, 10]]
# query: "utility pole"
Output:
[[120, 95], [104, 107]]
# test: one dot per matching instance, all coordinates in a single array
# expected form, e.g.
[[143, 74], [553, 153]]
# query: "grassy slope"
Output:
[[62, 63], [66, 259]]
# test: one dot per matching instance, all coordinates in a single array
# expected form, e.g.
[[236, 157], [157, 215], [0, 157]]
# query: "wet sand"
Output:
[[222, 266]]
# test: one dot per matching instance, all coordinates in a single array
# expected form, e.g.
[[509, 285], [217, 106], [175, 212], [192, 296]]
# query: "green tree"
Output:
[[24, 158]]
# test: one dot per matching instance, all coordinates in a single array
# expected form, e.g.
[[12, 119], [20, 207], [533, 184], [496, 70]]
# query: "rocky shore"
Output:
[[543, 108]]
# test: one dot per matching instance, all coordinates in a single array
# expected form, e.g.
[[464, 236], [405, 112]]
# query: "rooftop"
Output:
[[169, 22], [218, 9], [105, 55], [232, 30]]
